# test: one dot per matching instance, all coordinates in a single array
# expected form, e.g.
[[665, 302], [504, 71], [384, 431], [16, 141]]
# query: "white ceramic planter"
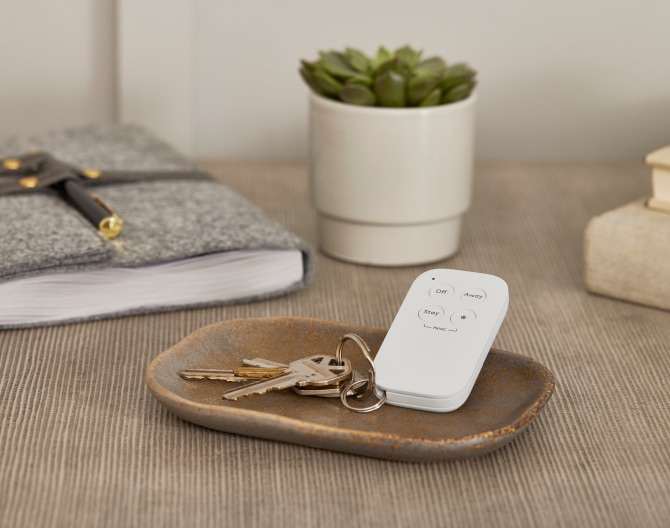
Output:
[[390, 185]]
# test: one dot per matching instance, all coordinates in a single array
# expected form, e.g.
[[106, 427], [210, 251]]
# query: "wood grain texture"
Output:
[[84, 443]]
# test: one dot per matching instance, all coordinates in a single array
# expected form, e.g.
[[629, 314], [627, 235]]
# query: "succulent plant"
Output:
[[399, 78]]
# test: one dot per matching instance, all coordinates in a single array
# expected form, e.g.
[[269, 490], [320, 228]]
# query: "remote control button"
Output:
[[473, 296], [463, 318], [441, 291], [431, 313]]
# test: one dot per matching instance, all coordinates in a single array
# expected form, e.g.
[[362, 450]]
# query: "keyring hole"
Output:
[[355, 385]]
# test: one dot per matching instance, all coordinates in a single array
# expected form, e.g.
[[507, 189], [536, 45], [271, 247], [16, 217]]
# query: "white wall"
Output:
[[157, 68], [57, 64], [569, 80]]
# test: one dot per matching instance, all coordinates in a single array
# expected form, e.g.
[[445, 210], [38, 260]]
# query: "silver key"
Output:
[[326, 391], [333, 391], [263, 363], [313, 370]]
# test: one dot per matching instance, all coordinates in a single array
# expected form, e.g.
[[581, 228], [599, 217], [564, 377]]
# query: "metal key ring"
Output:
[[355, 384], [366, 352]]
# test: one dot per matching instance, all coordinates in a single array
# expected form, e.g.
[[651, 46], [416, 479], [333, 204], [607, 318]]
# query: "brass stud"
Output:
[[29, 182], [93, 174], [110, 227], [11, 164]]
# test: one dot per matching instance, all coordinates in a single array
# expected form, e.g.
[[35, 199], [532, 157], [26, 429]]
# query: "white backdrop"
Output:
[[57, 64], [575, 79], [569, 80]]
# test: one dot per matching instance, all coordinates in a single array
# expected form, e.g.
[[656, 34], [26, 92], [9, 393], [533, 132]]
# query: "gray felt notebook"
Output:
[[186, 241]]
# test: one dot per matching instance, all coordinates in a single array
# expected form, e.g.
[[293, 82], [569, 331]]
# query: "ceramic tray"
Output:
[[509, 393]]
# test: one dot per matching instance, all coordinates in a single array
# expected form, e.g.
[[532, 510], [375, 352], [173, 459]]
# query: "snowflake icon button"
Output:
[[463, 318]]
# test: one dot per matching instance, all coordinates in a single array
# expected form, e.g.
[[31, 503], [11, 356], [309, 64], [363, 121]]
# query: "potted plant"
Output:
[[391, 150]]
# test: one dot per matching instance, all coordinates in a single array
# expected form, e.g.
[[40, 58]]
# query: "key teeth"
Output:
[[230, 397]]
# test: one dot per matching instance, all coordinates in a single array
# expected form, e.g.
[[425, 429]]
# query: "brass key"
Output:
[[237, 374]]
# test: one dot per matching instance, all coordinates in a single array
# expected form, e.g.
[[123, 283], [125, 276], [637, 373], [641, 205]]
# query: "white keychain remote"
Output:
[[439, 339]]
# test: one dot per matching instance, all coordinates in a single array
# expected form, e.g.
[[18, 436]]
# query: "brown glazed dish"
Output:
[[510, 392]]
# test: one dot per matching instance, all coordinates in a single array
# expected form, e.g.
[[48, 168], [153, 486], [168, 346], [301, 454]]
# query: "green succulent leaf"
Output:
[[361, 78], [357, 59], [419, 87], [390, 79], [336, 65], [354, 93], [382, 56], [308, 65], [458, 93], [432, 99], [390, 89], [455, 75], [308, 76], [328, 86], [397, 65], [409, 55], [434, 66], [385, 66]]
